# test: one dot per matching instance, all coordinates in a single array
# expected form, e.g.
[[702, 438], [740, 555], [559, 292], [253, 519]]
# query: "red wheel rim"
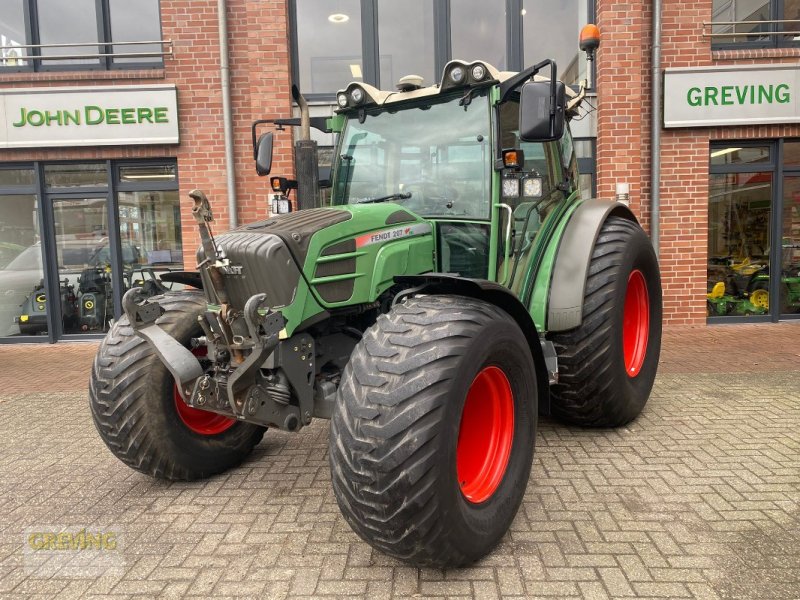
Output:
[[635, 323], [485, 435], [202, 422]]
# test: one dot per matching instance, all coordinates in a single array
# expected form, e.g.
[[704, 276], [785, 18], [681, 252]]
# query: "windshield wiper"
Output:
[[405, 196]]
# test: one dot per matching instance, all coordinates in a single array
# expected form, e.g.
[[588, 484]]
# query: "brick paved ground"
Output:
[[698, 498]]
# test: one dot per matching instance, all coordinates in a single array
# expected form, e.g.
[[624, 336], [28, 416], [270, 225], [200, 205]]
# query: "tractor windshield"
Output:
[[434, 159]]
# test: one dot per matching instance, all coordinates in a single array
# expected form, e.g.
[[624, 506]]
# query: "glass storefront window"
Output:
[[406, 38], [734, 155], [739, 207], [147, 173], [68, 21], [329, 44], [151, 223], [16, 177], [789, 286], [76, 175], [791, 154], [551, 30], [132, 22], [12, 34], [23, 302], [478, 31]]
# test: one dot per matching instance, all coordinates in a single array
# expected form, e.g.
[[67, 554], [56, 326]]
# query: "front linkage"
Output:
[[252, 372]]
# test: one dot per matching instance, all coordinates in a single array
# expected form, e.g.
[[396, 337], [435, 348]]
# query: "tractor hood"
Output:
[[316, 259]]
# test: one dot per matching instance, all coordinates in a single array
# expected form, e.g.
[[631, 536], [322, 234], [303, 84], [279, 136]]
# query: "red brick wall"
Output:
[[260, 86], [623, 145]]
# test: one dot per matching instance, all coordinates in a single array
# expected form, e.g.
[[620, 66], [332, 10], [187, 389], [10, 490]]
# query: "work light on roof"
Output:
[[357, 95], [457, 74], [341, 100], [478, 72]]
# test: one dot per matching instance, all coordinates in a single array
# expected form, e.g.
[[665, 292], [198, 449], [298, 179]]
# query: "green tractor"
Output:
[[456, 288]]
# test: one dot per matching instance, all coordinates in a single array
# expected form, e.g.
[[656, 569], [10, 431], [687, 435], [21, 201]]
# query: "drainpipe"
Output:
[[655, 118], [227, 116]]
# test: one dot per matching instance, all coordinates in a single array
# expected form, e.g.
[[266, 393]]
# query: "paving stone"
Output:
[[697, 498]]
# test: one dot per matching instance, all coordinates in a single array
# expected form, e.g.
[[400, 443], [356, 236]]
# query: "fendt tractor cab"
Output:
[[456, 287]]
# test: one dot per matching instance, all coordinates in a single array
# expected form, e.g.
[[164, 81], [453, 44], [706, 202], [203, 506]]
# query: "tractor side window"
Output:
[[569, 158], [464, 248]]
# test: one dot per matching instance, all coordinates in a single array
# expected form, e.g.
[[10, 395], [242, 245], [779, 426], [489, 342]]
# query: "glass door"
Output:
[[84, 263]]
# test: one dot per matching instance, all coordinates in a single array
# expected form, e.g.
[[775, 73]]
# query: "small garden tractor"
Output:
[[456, 288]]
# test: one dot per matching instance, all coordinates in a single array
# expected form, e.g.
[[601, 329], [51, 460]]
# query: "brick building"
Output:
[[112, 112]]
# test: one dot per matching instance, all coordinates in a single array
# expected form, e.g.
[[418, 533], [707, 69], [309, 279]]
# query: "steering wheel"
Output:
[[430, 195]]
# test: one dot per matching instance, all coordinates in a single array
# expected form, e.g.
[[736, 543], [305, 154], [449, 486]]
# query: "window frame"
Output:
[[776, 12], [105, 44]]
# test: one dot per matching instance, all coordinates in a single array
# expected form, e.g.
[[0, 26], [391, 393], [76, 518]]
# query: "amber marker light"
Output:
[[512, 159]]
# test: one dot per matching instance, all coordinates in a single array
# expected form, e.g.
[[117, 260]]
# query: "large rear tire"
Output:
[[133, 401], [608, 364], [433, 431]]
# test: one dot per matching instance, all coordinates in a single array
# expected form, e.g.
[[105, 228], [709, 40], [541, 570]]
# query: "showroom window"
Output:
[[754, 231], [379, 41], [80, 34], [74, 237], [755, 23]]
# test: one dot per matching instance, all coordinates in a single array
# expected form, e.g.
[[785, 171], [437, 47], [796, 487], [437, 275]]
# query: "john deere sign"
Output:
[[741, 95], [71, 116]]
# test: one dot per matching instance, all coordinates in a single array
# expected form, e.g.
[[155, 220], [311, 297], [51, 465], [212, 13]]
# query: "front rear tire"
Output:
[[133, 401], [608, 364], [433, 431]]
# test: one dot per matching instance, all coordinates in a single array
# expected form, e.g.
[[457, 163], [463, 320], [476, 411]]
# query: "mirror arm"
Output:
[[510, 85]]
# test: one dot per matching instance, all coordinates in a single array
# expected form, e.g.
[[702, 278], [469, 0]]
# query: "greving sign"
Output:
[[740, 95]]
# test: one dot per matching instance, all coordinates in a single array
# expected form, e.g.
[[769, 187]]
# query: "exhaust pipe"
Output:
[[305, 158]]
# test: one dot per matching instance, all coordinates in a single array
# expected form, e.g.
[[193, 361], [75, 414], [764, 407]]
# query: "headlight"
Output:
[[357, 95], [511, 188], [478, 72], [457, 74], [341, 100], [532, 187]]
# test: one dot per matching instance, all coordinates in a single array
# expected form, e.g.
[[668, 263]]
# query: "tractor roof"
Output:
[[457, 75]]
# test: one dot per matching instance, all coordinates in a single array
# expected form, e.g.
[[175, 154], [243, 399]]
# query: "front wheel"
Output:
[[139, 414], [607, 365], [433, 431]]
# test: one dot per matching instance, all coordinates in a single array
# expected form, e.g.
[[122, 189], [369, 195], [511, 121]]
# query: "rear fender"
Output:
[[493, 293], [567, 287]]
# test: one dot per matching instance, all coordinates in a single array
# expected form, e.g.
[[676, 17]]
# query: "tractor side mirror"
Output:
[[541, 112], [264, 154]]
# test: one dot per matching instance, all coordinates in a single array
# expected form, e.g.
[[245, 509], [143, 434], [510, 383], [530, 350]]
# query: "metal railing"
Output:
[[708, 29], [34, 51]]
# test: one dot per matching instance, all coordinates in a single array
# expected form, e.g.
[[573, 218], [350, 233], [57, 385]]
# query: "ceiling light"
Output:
[[338, 18], [523, 12], [723, 152], [355, 71]]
